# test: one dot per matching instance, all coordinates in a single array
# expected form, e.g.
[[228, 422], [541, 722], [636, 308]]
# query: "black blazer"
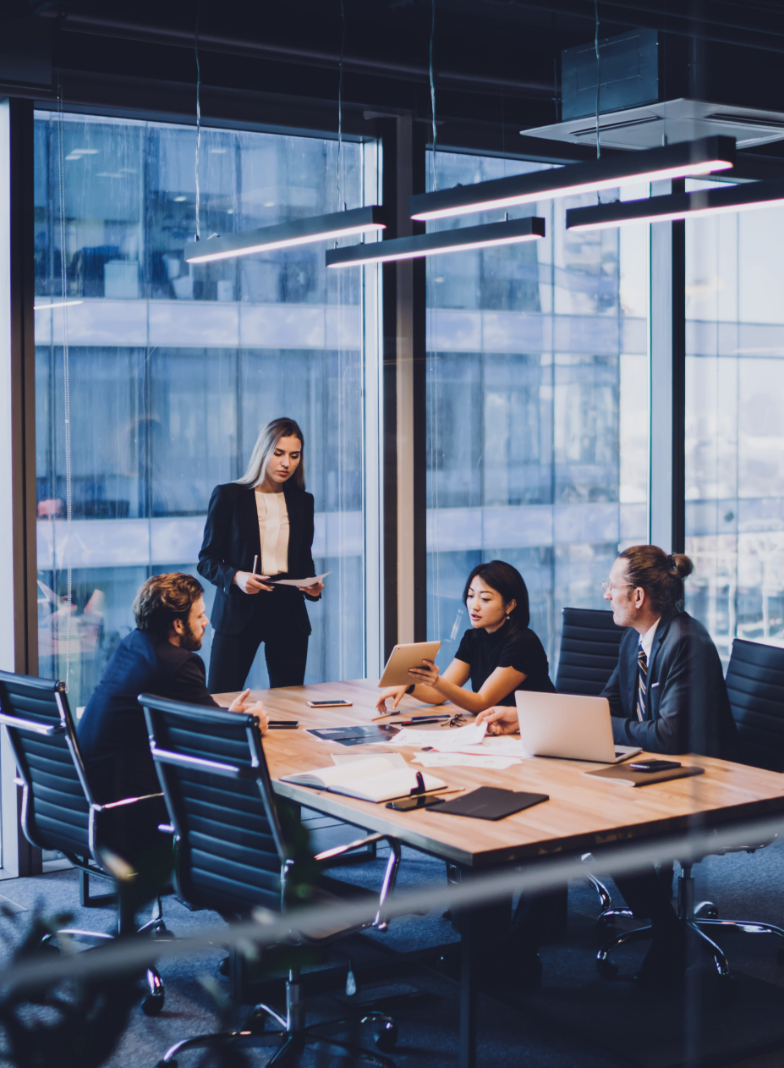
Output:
[[112, 732], [231, 540], [688, 709]]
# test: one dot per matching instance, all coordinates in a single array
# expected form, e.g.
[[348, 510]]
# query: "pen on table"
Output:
[[416, 719]]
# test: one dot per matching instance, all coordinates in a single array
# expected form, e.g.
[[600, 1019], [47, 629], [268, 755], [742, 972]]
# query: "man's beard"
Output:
[[190, 639]]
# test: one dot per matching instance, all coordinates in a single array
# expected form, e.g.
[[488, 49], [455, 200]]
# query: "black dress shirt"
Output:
[[518, 649]]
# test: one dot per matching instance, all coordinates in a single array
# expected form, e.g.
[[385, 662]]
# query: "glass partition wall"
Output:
[[537, 408], [153, 379], [735, 424]]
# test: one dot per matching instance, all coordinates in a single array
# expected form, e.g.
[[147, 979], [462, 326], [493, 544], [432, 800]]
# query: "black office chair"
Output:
[[58, 810], [589, 652], [755, 683], [233, 856]]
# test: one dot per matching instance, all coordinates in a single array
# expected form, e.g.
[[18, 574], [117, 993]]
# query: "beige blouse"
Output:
[[273, 532]]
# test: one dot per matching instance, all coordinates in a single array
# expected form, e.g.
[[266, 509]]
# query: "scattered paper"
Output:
[[301, 584], [394, 760], [463, 760], [442, 740]]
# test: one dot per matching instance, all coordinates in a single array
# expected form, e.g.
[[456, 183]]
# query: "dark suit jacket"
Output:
[[688, 709], [112, 732], [231, 540]]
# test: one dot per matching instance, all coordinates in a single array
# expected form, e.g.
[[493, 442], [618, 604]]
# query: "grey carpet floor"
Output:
[[557, 1028]]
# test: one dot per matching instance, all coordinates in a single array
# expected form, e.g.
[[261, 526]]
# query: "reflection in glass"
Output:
[[537, 409], [173, 369], [734, 425]]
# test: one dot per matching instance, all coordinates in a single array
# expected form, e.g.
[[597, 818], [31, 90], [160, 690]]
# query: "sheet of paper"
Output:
[[492, 746], [394, 760], [443, 740], [462, 760], [301, 584]]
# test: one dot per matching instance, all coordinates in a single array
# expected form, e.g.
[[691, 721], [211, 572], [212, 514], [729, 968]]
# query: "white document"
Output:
[[463, 760], [371, 779], [394, 760], [301, 584], [443, 740]]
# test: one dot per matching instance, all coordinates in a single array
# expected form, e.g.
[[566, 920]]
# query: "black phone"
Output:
[[283, 724], [407, 804], [654, 765]]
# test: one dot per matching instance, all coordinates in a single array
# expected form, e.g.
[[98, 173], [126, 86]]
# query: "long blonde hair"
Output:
[[266, 443]]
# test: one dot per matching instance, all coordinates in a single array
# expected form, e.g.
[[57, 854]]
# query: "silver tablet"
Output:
[[404, 657]]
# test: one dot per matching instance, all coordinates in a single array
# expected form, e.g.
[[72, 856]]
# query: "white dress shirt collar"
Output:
[[646, 640]]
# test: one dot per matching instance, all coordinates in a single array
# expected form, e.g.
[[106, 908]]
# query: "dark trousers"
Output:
[[232, 655]]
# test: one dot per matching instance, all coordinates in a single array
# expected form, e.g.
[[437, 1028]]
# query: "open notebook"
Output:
[[378, 778]]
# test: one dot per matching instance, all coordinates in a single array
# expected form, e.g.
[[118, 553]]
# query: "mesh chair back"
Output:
[[215, 780], [589, 651], [56, 803], [755, 683]]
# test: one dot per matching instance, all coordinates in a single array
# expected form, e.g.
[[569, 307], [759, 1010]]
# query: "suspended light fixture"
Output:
[[287, 235], [683, 160], [702, 202], [511, 232]]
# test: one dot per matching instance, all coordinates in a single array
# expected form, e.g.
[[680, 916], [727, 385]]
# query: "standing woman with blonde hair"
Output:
[[265, 516]]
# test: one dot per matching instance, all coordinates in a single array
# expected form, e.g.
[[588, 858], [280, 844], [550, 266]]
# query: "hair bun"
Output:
[[681, 565]]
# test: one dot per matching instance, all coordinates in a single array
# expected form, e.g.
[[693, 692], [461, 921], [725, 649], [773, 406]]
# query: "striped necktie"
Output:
[[642, 684]]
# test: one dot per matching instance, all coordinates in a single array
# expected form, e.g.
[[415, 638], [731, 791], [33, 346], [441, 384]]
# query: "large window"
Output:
[[735, 425], [537, 409], [154, 379]]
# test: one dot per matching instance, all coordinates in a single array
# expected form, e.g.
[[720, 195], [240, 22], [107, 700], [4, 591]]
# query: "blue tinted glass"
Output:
[[537, 408], [172, 370]]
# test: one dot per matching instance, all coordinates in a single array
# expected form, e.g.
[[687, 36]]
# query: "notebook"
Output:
[[623, 773], [490, 803], [372, 779]]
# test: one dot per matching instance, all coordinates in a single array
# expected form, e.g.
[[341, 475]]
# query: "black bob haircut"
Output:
[[507, 581]]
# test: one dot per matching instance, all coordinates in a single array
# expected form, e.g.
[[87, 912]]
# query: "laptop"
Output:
[[574, 728]]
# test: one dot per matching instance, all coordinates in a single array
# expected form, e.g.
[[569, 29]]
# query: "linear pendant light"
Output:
[[512, 232], [287, 235], [682, 160], [702, 202]]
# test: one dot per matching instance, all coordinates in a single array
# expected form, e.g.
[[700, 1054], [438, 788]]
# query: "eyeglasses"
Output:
[[607, 585]]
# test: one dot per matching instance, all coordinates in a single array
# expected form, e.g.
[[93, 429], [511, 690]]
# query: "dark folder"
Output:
[[490, 803]]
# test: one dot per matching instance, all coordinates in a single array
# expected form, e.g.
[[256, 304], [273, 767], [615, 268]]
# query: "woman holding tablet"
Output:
[[263, 518], [500, 654]]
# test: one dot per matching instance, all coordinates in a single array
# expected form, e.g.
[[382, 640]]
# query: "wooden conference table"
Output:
[[582, 813]]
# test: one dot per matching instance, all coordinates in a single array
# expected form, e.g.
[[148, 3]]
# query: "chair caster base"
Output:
[[706, 910], [152, 1004], [386, 1039], [224, 966]]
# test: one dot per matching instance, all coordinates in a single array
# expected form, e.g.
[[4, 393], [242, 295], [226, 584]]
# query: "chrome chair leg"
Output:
[[710, 947], [607, 969], [605, 900]]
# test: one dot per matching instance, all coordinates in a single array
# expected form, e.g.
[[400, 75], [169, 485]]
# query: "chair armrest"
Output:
[[390, 874], [127, 801], [165, 828], [339, 851]]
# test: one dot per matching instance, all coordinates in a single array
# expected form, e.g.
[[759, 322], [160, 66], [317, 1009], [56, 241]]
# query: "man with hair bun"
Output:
[[159, 657], [667, 695]]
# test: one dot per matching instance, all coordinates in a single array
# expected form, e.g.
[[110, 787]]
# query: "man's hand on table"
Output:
[[241, 704], [500, 720]]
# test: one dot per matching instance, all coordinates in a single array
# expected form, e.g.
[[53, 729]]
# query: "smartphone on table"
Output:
[[408, 804], [333, 703]]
